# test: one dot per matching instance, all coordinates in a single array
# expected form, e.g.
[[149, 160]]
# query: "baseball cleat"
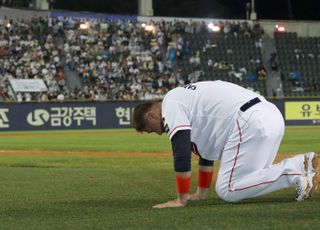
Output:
[[312, 167], [301, 188], [309, 183]]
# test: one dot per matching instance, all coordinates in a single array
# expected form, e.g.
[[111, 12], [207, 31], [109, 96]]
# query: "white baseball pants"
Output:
[[246, 168]]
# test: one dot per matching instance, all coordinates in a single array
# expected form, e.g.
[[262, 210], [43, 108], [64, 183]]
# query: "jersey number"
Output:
[[190, 86]]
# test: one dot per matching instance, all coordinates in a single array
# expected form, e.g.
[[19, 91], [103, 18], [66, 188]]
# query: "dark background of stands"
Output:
[[227, 9], [232, 9]]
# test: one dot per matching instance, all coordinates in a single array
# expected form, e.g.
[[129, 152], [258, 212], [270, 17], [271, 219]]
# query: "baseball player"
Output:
[[222, 121]]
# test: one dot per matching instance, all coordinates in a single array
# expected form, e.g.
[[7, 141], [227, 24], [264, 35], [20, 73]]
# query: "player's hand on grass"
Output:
[[177, 203], [201, 194], [196, 197]]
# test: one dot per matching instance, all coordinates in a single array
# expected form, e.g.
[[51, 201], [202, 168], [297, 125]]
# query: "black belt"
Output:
[[249, 104]]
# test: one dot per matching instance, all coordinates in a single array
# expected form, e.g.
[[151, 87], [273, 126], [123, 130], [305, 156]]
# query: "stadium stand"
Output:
[[28, 51], [233, 54], [299, 60], [105, 59]]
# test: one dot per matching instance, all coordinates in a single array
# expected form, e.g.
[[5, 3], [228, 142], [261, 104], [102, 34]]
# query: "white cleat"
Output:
[[312, 166], [308, 184], [301, 188]]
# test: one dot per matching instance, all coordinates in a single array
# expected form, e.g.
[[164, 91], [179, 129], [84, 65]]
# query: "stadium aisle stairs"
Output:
[[72, 80], [273, 81]]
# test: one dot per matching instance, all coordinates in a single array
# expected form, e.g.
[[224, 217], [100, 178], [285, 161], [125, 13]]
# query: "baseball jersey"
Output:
[[206, 108]]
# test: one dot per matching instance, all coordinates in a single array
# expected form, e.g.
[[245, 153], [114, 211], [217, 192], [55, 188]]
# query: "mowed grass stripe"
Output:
[[296, 139], [86, 140]]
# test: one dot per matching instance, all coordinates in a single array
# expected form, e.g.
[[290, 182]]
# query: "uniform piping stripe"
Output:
[[179, 126], [240, 132], [267, 182], [235, 162], [236, 158]]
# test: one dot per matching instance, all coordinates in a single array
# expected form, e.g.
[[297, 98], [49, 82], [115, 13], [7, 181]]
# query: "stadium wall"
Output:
[[117, 114], [12, 13]]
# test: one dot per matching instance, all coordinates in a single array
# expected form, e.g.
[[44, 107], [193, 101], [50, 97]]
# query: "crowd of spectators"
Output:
[[28, 51], [127, 60], [114, 59]]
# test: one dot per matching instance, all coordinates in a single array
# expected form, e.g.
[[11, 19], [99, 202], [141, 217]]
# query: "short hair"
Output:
[[139, 112]]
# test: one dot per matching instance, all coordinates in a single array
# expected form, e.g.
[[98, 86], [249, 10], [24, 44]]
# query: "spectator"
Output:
[[261, 72], [295, 76]]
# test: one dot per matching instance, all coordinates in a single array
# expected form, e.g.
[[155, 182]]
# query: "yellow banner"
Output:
[[302, 110]]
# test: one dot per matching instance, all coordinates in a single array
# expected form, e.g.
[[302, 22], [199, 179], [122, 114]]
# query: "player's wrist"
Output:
[[204, 179], [183, 198], [183, 188], [202, 193], [183, 184]]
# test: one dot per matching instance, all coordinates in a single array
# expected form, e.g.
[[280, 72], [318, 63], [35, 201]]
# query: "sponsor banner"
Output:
[[28, 85], [303, 112], [51, 116], [104, 115]]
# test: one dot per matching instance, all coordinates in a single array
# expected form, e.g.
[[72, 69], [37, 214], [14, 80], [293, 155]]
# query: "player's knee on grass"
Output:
[[223, 193]]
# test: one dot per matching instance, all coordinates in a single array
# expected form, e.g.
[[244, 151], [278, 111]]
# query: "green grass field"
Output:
[[109, 179]]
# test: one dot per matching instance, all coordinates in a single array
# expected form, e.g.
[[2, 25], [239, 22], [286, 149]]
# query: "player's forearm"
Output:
[[181, 147]]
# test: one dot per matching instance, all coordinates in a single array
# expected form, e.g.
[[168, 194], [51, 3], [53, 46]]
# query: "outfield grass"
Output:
[[82, 187], [296, 139], [122, 140]]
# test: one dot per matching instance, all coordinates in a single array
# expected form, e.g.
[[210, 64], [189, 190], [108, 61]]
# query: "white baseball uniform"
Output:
[[245, 142]]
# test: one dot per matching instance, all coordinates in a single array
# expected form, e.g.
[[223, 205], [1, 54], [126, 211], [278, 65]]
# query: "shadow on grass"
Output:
[[64, 208], [254, 201], [114, 203]]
